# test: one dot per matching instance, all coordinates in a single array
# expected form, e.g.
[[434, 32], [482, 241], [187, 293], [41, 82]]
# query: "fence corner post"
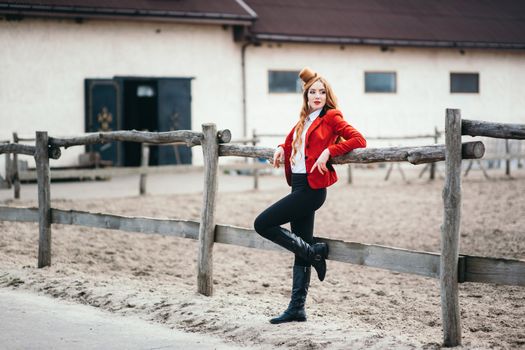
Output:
[[450, 231], [44, 199], [210, 150]]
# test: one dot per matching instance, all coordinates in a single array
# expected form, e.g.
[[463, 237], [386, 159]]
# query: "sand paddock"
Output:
[[154, 277]]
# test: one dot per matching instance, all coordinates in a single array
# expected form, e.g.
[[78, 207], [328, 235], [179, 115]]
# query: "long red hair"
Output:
[[309, 79]]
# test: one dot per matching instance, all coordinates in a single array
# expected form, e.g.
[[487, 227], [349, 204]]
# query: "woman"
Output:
[[306, 153]]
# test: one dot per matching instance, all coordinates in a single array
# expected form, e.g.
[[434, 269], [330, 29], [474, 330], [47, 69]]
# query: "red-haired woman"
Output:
[[306, 152]]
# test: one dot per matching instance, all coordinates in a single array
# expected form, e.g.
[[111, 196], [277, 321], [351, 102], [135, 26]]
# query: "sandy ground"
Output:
[[154, 277]]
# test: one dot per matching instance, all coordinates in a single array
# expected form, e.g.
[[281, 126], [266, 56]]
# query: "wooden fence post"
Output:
[[8, 171], [144, 164], [255, 161], [433, 165], [44, 199], [450, 230], [507, 159], [210, 150], [15, 175]]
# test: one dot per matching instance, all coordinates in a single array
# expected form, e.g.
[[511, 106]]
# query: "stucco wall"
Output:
[[44, 63], [423, 91]]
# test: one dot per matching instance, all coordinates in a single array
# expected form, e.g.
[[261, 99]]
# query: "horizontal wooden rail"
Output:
[[392, 137], [29, 150], [414, 155], [407, 137], [491, 129], [270, 135], [492, 270], [25, 139], [190, 138], [472, 268], [169, 227], [505, 156], [394, 259], [246, 140], [56, 174], [17, 148]]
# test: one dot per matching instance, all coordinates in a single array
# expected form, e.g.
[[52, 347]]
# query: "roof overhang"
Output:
[[78, 12], [384, 42]]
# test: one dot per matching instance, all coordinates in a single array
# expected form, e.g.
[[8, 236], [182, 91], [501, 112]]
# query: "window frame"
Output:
[[464, 73], [296, 72], [380, 72]]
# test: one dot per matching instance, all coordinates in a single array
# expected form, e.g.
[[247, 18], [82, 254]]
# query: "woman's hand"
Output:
[[278, 156], [320, 163]]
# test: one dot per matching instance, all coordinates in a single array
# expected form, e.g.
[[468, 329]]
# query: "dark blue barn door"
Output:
[[103, 114], [174, 113]]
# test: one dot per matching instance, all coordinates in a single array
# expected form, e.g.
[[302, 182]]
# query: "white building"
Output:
[[72, 66]]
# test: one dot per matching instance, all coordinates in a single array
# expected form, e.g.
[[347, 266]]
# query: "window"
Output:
[[464, 82], [380, 82], [145, 91], [284, 81]]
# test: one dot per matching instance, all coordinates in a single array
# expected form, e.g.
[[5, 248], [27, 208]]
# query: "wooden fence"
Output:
[[498, 150], [450, 267], [14, 176], [429, 166]]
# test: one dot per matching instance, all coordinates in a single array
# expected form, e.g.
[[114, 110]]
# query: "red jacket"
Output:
[[322, 134]]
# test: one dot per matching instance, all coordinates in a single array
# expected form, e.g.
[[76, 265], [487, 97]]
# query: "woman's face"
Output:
[[316, 96]]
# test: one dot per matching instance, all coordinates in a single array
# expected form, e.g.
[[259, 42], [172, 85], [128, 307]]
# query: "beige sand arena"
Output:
[[154, 277]]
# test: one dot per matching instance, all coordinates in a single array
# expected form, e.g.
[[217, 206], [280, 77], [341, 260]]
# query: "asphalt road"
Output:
[[31, 321]]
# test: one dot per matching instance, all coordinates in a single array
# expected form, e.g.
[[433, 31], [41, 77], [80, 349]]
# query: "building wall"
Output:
[[46, 61], [423, 87]]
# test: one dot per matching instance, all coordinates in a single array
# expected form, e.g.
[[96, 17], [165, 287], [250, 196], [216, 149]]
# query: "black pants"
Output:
[[298, 208]]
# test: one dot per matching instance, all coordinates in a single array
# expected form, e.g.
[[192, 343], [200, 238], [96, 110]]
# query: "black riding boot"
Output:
[[315, 254], [295, 310]]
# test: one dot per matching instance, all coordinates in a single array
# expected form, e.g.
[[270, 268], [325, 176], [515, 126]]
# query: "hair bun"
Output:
[[306, 74]]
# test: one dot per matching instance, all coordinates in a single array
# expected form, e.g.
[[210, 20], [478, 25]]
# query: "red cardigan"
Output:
[[323, 134]]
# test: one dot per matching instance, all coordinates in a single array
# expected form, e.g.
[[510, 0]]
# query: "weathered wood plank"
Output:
[[17, 148], [44, 199], [394, 259], [477, 269], [168, 227], [18, 214], [494, 270], [243, 237], [190, 138], [53, 152], [210, 150], [414, 155], [450, 231], [30, 175], [386, 138], [491, 129], [110, 172]]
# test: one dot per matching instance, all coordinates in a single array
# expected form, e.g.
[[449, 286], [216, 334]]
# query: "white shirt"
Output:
[[299, 166]]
